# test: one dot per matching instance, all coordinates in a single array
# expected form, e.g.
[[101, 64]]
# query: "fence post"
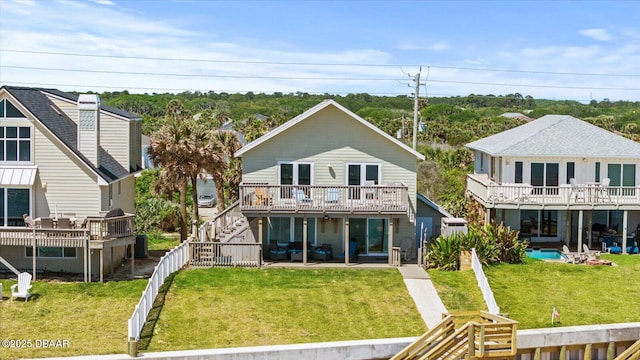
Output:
[[132, 347]]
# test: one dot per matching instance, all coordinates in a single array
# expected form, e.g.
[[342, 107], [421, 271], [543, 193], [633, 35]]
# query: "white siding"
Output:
[[114, 137], [124, 194], [69, 185], [70, 108]]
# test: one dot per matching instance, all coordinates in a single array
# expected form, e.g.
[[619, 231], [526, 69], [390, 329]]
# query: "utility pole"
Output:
[[415, 110]]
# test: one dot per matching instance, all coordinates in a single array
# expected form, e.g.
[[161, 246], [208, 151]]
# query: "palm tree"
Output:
[[179, 148], [221, 164]]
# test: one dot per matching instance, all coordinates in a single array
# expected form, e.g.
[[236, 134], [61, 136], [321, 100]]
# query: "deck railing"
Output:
[[315, 198], [592, 194], [226, 254], [483, 283], [171, 262]]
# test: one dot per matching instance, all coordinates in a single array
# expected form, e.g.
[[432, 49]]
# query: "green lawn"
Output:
[[92, 317], [582, 294], [162, 241], [214, 308]]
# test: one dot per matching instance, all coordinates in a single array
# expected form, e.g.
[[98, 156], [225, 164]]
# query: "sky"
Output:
[[573, 50]]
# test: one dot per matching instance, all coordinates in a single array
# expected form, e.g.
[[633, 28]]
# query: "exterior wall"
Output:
[[69, 187], [135, 147], [17, 257], [115, 137], [124, 194], [68, 107], [331, 137], [584, 168]]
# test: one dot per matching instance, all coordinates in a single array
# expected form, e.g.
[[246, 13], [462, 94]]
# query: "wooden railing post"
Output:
[[471, 341]]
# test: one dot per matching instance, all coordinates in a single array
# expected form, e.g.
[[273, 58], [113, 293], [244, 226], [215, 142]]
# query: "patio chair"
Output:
[[632, 247], [577, 192], [277, 252], [46, 223], [21, 289], [333, 196], [324, 252], [28, 221], [603, 189], [300, 196], [353, 251], [64, 223], [573, 258], [610, 246], [407, 248], [590, 253]]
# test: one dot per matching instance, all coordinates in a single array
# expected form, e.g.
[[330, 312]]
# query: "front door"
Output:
[[294, 173]]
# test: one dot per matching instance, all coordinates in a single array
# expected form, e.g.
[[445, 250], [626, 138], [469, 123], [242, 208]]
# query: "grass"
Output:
[[217, 308], [92, 317], [162, 241], [582, 294]]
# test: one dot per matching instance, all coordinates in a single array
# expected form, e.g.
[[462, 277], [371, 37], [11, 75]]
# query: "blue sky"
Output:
[[579, 50]]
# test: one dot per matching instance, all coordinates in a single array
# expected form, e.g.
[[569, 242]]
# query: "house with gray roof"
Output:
[[559, 179], [65, 160]]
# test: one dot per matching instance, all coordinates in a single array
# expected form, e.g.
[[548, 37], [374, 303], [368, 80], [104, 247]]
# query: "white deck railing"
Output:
[[579, 195], [483, 283], [171, 262]]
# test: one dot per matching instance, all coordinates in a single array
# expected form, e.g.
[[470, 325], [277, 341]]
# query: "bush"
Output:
[[493, 243], [157, 213]]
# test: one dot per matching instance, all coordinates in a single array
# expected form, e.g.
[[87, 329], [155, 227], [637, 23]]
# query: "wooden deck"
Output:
[[311, 199]]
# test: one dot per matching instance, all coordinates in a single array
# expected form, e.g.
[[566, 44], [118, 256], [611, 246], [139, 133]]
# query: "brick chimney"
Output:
[[89, 126]]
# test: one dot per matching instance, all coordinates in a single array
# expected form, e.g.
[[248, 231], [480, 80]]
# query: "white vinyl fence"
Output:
[[483, 283], [171, 262]]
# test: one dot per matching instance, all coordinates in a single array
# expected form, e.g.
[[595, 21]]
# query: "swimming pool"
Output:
[[545, 254]]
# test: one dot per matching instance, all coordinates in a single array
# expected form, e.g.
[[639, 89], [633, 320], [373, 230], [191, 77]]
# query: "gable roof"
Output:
[[39, 105], [433, 205], [557, 136], [307, 114]]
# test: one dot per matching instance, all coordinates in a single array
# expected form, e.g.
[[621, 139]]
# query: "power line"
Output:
[[314, 64], [317, 78]]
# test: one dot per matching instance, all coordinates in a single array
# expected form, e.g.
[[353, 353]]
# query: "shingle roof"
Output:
[[65, 129], [558, 136]]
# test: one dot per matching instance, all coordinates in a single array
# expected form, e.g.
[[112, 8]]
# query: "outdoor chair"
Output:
[[64, 223], [573, 258], [28, 221], [577, 192], [296, 251], [300, 196], [590, 253], [277, 252], [610, 246], [21, 289], [324, 252], [353, 251], [407, 248], [632, 246], [332, 197], [603, 189], [46, 223]]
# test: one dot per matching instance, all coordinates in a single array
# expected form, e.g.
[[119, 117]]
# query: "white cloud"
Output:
[[597, 34]]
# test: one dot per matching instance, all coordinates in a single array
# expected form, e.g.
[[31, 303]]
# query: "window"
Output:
[[622, 176], [289, 229], [8, 110], [51, 252], [294, 173], [571, 171], [16, 204], [597, 179], [543, 223], [362, 175], [545, 174], [15, 143], [518, 175]]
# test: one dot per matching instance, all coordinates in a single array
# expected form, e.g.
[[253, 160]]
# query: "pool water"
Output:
[[545, 254]]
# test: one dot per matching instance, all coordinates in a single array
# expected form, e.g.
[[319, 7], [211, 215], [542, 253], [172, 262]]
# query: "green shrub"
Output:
[[157, 213], [493, 243]]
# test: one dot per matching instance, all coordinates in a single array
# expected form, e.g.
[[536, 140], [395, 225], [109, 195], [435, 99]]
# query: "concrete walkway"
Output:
[[423, 293]]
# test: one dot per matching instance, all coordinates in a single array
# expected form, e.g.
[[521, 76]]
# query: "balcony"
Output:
[[98, 231], [582, 196], [262, 198]]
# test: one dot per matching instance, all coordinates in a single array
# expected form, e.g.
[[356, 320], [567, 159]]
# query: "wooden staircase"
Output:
[[485, 336], [631, 353]]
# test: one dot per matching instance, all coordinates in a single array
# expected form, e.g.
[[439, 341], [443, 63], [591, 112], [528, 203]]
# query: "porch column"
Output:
[[580, 232], [101, 264], [33, 258], [390, 241], [346, 241], [567, 229], [487, 216], [624, 231], [260, 235], [85, 250], [304, 240], [133, 257], [89, 253], [589, 230], [111, 267]]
